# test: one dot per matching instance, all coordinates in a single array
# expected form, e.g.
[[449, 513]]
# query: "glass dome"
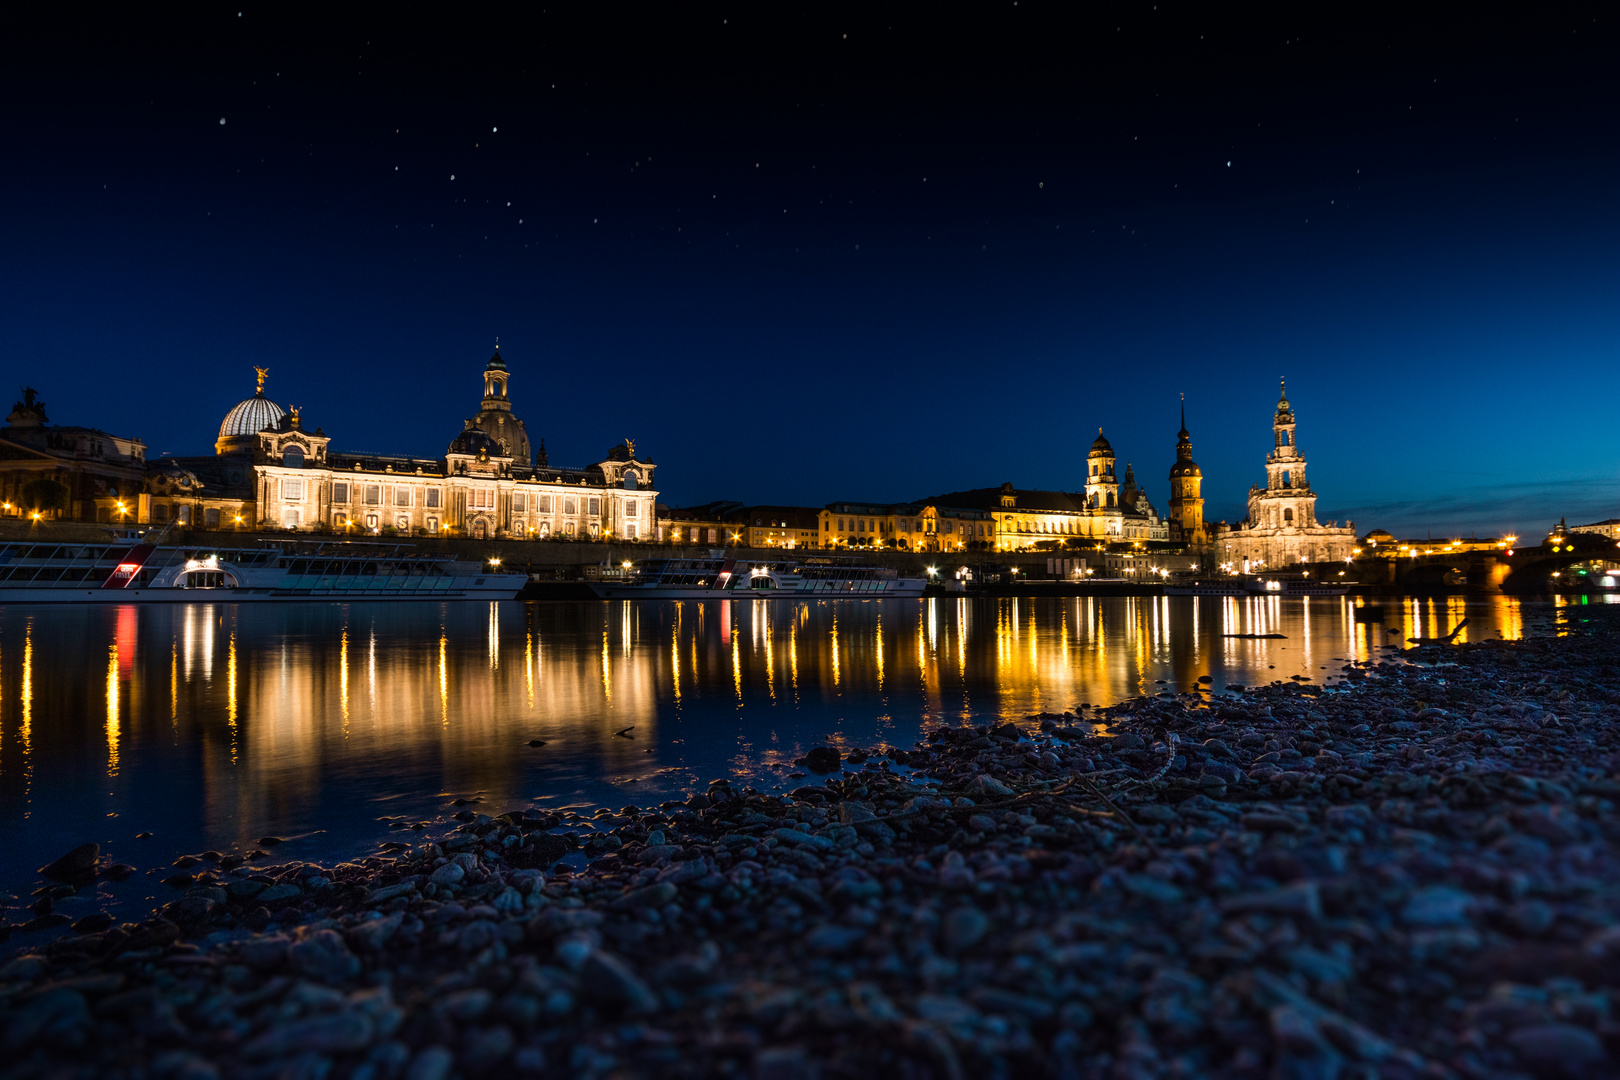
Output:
[[251, 416]]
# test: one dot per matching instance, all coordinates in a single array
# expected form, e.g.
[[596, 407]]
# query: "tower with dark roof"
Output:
[[1102, 486], [495, 417], [1186, 491]]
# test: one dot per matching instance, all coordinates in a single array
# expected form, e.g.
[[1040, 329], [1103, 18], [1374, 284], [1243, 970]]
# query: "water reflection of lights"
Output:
[[444, 678], [343, 679], [879, 639], [284, 685], [112, 709], [25, 731], [494, 635], [230, 690]]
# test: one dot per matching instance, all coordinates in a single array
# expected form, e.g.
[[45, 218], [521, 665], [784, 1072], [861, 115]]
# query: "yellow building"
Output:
[[268, 470], [778, 526], [906, 527], [1186, 492]]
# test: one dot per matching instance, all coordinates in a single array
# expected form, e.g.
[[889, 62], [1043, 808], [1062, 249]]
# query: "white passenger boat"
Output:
[[127, 569], [723, 578], [1254, 586]]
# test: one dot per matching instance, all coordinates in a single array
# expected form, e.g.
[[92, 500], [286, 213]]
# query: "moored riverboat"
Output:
[[134, 569], [726, 578]]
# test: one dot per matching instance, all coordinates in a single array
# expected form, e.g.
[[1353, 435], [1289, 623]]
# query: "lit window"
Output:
[[596, 507], [292, 490], [517, 501], [340, 493], [545, 504], [432, 524], [570, 506], [432, 497], [630, 510], [402, 496], [373, 494], [630, 532]]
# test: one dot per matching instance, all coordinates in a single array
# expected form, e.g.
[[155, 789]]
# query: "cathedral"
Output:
[[269, 470], [1282, 529]]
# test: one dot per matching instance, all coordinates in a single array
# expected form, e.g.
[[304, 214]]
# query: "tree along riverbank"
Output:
[[1412, 873]]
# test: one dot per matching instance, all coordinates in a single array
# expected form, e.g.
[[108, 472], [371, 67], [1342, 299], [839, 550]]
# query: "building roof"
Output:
[[251, 416], [1059, 502], [788, 517]]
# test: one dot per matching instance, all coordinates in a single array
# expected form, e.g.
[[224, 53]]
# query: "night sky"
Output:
[[833, 254]]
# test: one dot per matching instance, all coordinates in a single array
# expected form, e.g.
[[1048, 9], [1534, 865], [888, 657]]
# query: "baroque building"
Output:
[[1187, 492], [1281, 529], [269, 470], [52, 471], [1107, 511]]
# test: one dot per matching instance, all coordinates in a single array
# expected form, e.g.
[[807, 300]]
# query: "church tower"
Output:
[[495, 418], [1102, 487], [1287, 501], [1186, 491]]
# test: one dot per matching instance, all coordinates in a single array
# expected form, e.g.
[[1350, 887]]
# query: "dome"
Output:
[[1184, 468], [473, 440], [251, 416], [1102, 446], [170, 478]]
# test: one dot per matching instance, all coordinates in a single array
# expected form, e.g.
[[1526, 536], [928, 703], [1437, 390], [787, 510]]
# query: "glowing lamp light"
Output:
[[494, 560]]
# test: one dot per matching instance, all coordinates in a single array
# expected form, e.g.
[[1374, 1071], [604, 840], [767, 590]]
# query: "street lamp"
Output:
[[494, 560]]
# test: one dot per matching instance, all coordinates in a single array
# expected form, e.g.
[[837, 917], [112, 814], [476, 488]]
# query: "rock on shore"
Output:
[[1412, 874]]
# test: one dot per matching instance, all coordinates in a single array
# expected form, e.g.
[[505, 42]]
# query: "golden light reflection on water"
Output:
[[112, 709], [343, 678], [449, 711], [25, 730], [444, 679]]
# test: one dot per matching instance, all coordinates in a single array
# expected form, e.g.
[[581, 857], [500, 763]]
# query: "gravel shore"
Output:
[[1411, 873]]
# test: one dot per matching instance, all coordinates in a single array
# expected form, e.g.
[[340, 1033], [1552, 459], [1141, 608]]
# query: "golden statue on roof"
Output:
[[263, 372]]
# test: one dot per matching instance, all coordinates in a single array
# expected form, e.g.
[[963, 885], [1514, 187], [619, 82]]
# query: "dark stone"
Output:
[[607, 981], [76, 866], [94, 923], [823, 759]]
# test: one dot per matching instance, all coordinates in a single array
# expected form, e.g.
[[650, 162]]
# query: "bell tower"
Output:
[[495, 417], [1102, 486], [1186, 490], [1287, 501]]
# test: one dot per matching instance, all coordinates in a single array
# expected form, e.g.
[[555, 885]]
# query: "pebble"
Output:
[[1409, 873]]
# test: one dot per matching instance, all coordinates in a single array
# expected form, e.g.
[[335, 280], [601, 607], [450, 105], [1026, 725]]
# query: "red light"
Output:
[[128, 568]]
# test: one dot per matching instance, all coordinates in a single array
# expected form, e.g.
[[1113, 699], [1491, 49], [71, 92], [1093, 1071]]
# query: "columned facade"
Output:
[[1282, 529]]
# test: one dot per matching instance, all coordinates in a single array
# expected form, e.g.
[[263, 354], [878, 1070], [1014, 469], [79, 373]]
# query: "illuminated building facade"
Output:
[[1107, 511], [1186, 492], [75, 470], [1282, 529], [907, 526], [268, 470]]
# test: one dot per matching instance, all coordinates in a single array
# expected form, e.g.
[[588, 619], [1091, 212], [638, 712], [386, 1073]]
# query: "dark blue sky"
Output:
[[798, 266]]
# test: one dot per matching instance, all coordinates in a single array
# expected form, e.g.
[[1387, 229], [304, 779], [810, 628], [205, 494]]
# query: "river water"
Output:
[[211, 725]]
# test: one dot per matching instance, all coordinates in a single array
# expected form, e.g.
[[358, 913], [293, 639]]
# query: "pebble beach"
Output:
[[1410, 872]]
